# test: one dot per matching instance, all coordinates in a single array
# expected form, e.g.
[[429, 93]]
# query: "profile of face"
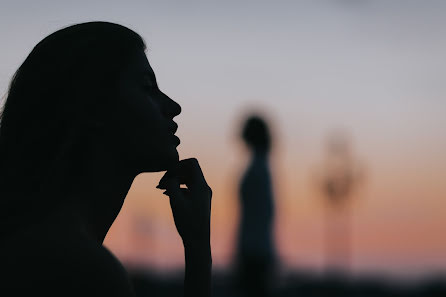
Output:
[[145, 118]]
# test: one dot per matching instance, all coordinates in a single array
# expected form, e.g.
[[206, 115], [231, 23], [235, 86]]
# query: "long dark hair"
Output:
[[66, 83]]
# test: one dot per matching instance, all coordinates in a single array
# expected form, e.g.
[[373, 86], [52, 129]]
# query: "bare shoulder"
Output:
[[66, 265]]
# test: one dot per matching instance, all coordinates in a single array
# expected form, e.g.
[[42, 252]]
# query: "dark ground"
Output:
[[295, 284]]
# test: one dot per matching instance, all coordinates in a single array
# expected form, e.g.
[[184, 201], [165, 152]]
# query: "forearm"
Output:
[[197, 279]]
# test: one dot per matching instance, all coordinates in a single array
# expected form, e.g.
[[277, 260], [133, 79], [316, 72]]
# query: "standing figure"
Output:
[[255, 247]]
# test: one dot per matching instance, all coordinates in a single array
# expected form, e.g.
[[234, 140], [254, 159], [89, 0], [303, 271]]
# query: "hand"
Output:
[[191, 206]]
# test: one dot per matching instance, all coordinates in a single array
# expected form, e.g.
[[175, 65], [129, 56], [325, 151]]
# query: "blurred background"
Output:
[[353, 92]]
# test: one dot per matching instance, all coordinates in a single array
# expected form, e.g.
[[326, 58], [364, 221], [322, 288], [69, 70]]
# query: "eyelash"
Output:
[[150, 88]]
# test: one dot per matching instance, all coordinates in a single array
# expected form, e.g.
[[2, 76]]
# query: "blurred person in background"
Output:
[[83, 117], [256, 252]]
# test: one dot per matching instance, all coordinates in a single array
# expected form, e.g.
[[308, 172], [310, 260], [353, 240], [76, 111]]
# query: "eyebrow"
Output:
[[149, 74]]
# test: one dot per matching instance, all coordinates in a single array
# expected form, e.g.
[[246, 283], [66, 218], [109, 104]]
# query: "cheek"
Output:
[[143, 129], [142, 114], [145, 134]]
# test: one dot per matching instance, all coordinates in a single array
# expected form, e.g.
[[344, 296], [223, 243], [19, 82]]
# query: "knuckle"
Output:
[[210, 191], [191, 161], [194, 163]]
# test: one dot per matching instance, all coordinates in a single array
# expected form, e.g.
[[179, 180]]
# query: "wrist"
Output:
[[198, 245], [198, 250]]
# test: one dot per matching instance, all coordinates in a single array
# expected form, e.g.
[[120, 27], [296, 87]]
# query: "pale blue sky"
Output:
[[322, 62]]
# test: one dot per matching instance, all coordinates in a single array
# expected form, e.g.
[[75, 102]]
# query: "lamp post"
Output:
[[338, 182]]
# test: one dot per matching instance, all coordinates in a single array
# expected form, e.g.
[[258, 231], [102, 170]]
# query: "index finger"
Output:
[[189, 173]]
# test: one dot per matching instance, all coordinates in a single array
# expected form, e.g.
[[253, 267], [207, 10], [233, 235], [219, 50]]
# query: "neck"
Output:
[[100, 193], [101, 203]]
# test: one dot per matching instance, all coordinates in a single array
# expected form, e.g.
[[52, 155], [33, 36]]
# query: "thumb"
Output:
[[172, 185], [177, 201], [173, 191]]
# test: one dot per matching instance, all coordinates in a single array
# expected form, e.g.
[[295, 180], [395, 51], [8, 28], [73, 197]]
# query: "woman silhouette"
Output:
[[83, 117], [256, 252]]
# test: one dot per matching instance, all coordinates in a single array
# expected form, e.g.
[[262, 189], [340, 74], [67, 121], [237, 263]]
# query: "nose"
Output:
[[171, 107]]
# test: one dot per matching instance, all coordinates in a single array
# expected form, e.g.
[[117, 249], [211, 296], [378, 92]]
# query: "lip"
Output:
[[173, 127], [176, 140]]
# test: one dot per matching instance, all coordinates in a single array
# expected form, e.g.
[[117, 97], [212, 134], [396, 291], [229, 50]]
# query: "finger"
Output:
[[173, 189], [168, 174], [189, 173], [177, 203]]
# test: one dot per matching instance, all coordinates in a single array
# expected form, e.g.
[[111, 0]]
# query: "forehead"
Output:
[[139, 65]]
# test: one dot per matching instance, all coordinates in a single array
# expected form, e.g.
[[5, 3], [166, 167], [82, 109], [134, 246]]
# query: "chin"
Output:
[[172, 161], [169, 159]]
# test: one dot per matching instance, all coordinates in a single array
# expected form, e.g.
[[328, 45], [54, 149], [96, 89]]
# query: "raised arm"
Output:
[[191, 209]]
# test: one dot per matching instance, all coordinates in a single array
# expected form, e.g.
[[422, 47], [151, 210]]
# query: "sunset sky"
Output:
[[375, 69]]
